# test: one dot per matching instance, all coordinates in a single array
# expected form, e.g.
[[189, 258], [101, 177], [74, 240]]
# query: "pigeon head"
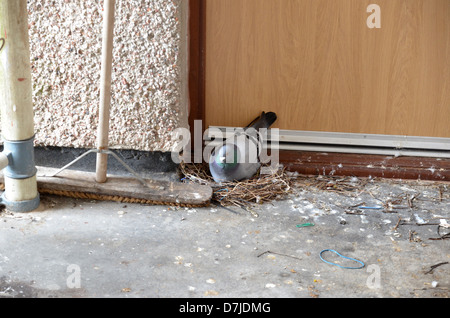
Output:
[[227, 156]]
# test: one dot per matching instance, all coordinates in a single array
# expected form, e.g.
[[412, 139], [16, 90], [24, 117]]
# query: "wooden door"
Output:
[[318, 65]]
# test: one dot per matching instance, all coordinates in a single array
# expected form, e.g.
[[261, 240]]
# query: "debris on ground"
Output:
[[414, 204], [268, 187]]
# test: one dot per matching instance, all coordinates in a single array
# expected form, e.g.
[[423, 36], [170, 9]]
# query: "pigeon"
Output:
[[238, 157]]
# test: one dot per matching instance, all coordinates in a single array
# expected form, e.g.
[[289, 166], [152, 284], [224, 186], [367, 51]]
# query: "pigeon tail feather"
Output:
[[264, 121]]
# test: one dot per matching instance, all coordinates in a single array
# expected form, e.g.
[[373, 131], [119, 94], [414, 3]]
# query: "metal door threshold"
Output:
[[390, 145]]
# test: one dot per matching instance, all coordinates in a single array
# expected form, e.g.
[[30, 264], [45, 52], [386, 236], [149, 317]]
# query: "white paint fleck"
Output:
[[179, 260], [419, 219], [364, 219]]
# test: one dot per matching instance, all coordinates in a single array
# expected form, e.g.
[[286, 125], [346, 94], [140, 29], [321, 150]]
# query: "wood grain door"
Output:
[[318, 65]]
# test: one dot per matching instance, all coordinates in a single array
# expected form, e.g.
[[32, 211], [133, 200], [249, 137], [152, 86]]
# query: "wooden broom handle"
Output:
[[105, 90]]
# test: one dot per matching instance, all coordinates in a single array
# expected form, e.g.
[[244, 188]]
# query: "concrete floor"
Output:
[[81, 248]]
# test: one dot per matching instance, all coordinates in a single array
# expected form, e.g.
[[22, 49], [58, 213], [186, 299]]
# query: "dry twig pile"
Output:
[[259, 189]]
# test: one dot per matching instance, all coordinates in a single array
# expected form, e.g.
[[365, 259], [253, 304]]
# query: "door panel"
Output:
[[320, 68]]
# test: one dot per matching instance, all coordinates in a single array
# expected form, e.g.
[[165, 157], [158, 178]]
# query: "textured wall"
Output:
[[149, 84]]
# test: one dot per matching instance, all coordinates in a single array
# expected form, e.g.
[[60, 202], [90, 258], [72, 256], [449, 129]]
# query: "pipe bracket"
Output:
[[21, 159]]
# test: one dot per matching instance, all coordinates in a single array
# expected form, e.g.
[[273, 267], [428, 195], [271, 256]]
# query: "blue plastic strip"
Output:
[[349, 258], [371, 207]]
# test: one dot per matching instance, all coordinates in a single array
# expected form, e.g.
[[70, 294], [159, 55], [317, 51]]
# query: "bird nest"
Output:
[[261, 188]]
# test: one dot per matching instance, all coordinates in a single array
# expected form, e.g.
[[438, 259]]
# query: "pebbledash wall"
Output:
[[149, 81]]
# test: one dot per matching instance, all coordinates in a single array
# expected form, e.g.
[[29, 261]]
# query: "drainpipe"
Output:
[[17, 116]]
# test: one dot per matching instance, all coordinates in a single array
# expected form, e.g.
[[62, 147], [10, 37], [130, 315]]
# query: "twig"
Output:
[[441, 237], [270, 252], [433, 267], [440, 193], [398, 223], [354, 212], [224, 207]]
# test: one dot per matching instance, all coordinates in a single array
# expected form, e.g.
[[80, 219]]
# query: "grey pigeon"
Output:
[[238, 157]]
